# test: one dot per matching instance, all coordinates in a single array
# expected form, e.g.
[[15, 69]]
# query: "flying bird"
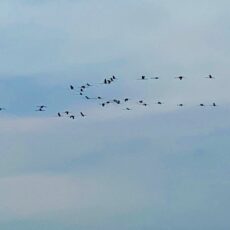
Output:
[[180, 77], [142, 78], [159, 103], [214, 104], [82, 114], [210, 76]]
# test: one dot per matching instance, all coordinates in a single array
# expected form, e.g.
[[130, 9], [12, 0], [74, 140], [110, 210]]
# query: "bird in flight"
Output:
[[180, 78], [82, 114], [180, 105], [41, 108], [142, 78], [72, 117], [71, 87], [214, 104], [210, 76], [159, 103]]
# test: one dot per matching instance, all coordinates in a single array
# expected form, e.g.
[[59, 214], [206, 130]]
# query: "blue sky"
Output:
[[160, 167]]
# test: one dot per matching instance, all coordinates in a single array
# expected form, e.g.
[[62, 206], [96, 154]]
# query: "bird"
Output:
[[105, 81], [180, 105], [159, 103], [114, 77], [180, 77], [142, 78], [72, 117], [88, 98], [40, 110], [2, 109], [214, 104], [202, 105], [82, 114], [156, 78], [210, 76], [59, 114], [127, 109], [71, 87], [126, 99], [67, 112]]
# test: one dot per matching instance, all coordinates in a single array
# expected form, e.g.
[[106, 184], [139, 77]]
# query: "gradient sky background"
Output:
[[160, 167]]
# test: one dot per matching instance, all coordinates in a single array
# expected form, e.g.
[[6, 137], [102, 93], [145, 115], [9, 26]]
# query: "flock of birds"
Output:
[[81, 90]]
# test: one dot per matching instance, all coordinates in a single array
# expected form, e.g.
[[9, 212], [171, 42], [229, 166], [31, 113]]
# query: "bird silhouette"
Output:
[[72, 117], [214, 104], [71, 87], [127, 108], [159, 103], [210, 76], [180, 77], [180, 105], [59, 114], [142, 78], [82, 114]]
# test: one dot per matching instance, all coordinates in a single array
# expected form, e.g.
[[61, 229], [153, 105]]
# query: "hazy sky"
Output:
[[160, 167]]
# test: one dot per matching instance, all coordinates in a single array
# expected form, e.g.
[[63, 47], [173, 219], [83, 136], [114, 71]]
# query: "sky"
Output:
[[155, 167]]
